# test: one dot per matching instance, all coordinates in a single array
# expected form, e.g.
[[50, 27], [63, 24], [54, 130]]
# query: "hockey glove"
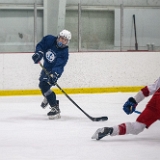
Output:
[[53, 78], [130, 106], [37, 56]]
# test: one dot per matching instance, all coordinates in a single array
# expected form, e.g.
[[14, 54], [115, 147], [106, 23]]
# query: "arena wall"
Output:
[[85, 72]]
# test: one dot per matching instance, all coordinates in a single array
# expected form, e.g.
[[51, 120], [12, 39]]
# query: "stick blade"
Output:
[[104, 118]]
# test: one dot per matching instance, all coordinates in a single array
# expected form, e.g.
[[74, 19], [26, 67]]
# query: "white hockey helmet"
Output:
[[65, 33]]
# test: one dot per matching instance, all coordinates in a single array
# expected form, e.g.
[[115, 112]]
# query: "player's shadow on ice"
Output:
[[130, 139], [35, 117]]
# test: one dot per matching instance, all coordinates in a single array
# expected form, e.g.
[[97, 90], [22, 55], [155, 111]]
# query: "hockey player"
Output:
[[54, 51], [150, 114]]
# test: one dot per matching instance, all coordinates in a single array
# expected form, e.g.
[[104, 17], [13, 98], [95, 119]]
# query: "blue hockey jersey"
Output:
[[55, 58]]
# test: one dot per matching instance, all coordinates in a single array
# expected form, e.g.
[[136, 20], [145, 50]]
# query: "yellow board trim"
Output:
[[72, 91]]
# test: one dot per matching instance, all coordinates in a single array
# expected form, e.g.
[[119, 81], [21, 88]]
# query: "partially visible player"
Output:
[[54, 51], [150, 114]]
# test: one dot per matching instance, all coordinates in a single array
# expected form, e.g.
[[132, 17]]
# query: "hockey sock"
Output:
[[122, 129], [51, 98]]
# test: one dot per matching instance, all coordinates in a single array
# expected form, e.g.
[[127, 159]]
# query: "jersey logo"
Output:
[[50, 56]]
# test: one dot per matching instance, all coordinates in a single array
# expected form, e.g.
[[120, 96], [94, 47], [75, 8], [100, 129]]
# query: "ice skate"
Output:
[[102, 132], [55, 112], [44, 103]]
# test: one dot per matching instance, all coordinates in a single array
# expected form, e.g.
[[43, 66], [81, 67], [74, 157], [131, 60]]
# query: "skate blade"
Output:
[[58, 116], [44, 107]]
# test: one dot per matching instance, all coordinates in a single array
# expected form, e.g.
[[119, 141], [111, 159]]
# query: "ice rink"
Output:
[[26, 133]]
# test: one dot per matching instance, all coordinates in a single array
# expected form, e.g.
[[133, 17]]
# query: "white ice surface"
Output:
[[26, 133]]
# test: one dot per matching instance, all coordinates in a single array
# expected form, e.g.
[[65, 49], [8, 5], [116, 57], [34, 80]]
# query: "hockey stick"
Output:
[[136, 44], [137, 112], [104, 118]]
